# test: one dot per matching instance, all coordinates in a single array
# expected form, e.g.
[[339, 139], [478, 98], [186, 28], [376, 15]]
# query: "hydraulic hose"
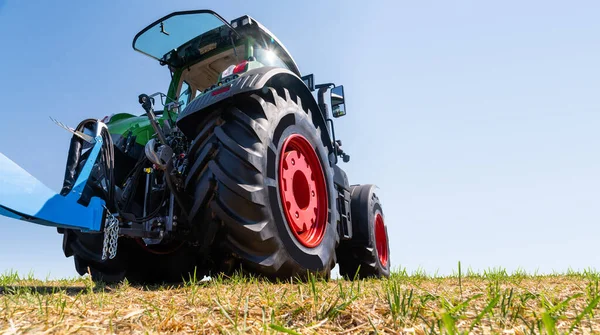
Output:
[[73, 158]]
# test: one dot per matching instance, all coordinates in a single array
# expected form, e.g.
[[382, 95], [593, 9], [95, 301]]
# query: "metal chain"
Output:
[[111, 236]]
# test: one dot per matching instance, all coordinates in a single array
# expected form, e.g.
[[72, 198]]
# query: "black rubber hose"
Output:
[[73, 158]]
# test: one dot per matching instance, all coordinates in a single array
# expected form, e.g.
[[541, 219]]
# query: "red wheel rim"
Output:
[[302, 190], [381, 240]]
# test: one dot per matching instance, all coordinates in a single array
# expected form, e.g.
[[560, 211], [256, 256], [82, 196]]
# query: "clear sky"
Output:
[[478, 121]]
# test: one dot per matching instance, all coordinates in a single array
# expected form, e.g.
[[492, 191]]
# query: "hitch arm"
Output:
[[24, 197]]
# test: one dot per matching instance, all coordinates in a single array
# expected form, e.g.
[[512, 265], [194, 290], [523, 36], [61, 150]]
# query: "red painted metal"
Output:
[[381, 240], [303, 191], [221, 90], [241, 67]]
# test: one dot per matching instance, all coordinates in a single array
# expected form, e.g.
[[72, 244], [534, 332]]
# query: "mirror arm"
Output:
[[322, 103], [335, 147], [321, 96], [325, 111]]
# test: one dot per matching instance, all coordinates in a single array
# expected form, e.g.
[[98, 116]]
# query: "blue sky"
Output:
[[479, 121]]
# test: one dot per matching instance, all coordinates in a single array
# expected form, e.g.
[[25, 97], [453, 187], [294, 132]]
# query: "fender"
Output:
[[254, 80]]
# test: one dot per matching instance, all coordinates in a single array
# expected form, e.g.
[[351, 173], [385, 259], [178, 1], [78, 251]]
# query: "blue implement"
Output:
[[24, 197]]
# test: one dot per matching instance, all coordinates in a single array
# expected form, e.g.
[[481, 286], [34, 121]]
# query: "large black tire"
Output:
[[367, 253], [86, 250], [233, 178], [133, 262]]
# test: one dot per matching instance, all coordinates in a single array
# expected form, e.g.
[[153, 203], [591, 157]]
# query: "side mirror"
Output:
[[338, 106]]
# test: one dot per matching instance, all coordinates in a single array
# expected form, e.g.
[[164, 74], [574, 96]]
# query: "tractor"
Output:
[[234, 168]]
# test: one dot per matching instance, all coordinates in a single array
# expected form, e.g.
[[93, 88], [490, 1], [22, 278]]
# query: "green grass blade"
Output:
[[449, 323], [549, 323], [587, 310], [487, 309], [283, 329]]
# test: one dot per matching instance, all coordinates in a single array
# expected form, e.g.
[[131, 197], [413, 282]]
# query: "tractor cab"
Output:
[[202, 50], [204, 53]]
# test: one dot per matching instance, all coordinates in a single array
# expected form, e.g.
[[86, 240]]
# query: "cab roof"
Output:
[[205, 28]]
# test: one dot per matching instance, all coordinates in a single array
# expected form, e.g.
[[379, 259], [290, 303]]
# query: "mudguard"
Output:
[[23, 197], [253, 80]]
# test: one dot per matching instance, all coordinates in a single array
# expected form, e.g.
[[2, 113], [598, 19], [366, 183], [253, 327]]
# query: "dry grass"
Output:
[[493, 302]]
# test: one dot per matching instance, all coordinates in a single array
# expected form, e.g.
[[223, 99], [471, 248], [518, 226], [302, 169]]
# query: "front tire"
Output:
[[134, 261], [367, 254], [279, 221]]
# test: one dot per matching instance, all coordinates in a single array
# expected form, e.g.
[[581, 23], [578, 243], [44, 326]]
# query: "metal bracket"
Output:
[[77, 133]]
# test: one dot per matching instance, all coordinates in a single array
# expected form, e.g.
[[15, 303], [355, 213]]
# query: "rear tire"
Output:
[[367, 253], [240, 176]]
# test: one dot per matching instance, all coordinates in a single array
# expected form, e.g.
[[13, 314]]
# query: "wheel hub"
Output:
[[302, 190], [381, 240]]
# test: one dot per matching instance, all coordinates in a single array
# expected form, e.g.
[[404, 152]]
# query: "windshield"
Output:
[[168, 35]]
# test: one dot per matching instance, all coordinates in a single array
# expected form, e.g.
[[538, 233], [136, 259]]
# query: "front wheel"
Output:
[[261, 169], [134, 261], [367, 254]]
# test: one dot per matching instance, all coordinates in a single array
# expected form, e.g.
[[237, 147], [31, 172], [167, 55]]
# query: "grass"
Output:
[[492, 302]]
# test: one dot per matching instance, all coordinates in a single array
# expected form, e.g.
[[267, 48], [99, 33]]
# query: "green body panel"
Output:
[[249, 47], [140, 127], [173, 86]]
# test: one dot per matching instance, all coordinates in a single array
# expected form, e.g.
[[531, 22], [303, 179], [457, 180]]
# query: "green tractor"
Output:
[[236, 171]]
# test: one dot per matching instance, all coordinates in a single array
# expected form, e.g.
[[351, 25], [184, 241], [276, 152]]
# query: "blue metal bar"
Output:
[[87, 168], [24, 197]]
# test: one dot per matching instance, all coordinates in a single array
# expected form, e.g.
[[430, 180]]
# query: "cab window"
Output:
[[268, 57], [184, 96]]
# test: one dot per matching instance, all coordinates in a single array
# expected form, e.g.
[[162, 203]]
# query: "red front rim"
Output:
[[303, 191], [381, 240]]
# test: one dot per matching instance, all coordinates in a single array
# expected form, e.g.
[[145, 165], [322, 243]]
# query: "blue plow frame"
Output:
[[24, 197]]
